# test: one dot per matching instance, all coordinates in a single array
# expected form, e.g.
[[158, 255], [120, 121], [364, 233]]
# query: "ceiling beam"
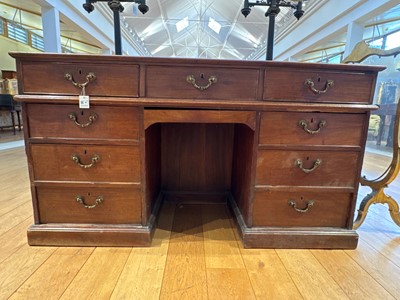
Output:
[[19, 8], [312, 31], [77, 18]]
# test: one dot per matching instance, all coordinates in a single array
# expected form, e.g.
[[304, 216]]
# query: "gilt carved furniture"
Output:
[[378, 185], [282, 143]]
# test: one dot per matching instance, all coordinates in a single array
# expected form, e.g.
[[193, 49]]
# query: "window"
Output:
[[393, 40], [2, 31], [335, 59], [17, 33], [377, 43], [37, 42]]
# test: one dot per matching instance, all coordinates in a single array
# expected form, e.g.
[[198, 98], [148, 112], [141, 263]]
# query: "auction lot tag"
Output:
[[84, 101]]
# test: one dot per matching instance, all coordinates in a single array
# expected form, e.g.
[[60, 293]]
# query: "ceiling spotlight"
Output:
[[272, 10], [246, 9], [299, 12], [88, 6], [143, 8]]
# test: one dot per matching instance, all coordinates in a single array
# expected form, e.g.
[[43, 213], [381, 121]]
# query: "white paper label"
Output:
[[84, 101]]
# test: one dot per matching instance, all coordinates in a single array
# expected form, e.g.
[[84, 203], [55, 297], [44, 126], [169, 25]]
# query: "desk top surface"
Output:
[[52, 57]]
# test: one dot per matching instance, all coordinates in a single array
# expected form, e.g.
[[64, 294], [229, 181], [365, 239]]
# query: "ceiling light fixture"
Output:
[[272, 12], [117, 8]]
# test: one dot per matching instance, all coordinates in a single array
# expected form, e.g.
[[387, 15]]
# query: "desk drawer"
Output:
[[85, 163], [111, 79], [303, 128], [114, 205], [98, 122], [325, 208], [288, 84], [231, 83], [320, 168]]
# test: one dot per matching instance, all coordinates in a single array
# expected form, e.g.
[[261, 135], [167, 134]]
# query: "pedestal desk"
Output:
[[282, 143]]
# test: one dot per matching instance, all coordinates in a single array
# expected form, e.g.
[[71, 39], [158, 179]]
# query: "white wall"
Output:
[[8, 45]]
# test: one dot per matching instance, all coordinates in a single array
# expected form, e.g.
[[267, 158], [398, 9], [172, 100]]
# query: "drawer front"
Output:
[[307, 168], [287, 128], [103, 205], [231, 84], [85, 163], [68, 121], [288, 84], [111, 79], [320, 209]]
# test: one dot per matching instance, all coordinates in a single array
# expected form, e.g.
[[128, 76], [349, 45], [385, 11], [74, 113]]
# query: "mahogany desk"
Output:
[[282, 143]]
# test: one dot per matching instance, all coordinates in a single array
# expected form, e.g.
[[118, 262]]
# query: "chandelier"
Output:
[[272, 12], [117, 8]]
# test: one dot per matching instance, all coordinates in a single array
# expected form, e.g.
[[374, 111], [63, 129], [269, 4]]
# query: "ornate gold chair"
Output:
[[360, 52]]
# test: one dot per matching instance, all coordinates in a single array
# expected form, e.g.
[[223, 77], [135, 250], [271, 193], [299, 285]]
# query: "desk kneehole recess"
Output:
[[281, 143]]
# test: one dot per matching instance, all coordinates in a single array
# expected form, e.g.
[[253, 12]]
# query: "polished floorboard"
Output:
[[196, 254]]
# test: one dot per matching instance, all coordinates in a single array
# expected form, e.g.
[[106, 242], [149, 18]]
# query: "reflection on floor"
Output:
[[372, 147], [9, 141]]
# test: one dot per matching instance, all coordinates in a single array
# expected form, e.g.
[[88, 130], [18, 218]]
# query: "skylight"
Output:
[[182, 24], [214, 25]]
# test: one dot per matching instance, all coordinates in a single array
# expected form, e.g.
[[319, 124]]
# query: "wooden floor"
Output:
[[7, 135], [196, 254]]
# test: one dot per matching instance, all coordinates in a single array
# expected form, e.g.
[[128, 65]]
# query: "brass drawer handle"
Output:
[[89, 77], [299, 164], [192, 80], [301, 210], [303, 124], [81, 200], [93, 117], [76, 159], [310, 84]]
